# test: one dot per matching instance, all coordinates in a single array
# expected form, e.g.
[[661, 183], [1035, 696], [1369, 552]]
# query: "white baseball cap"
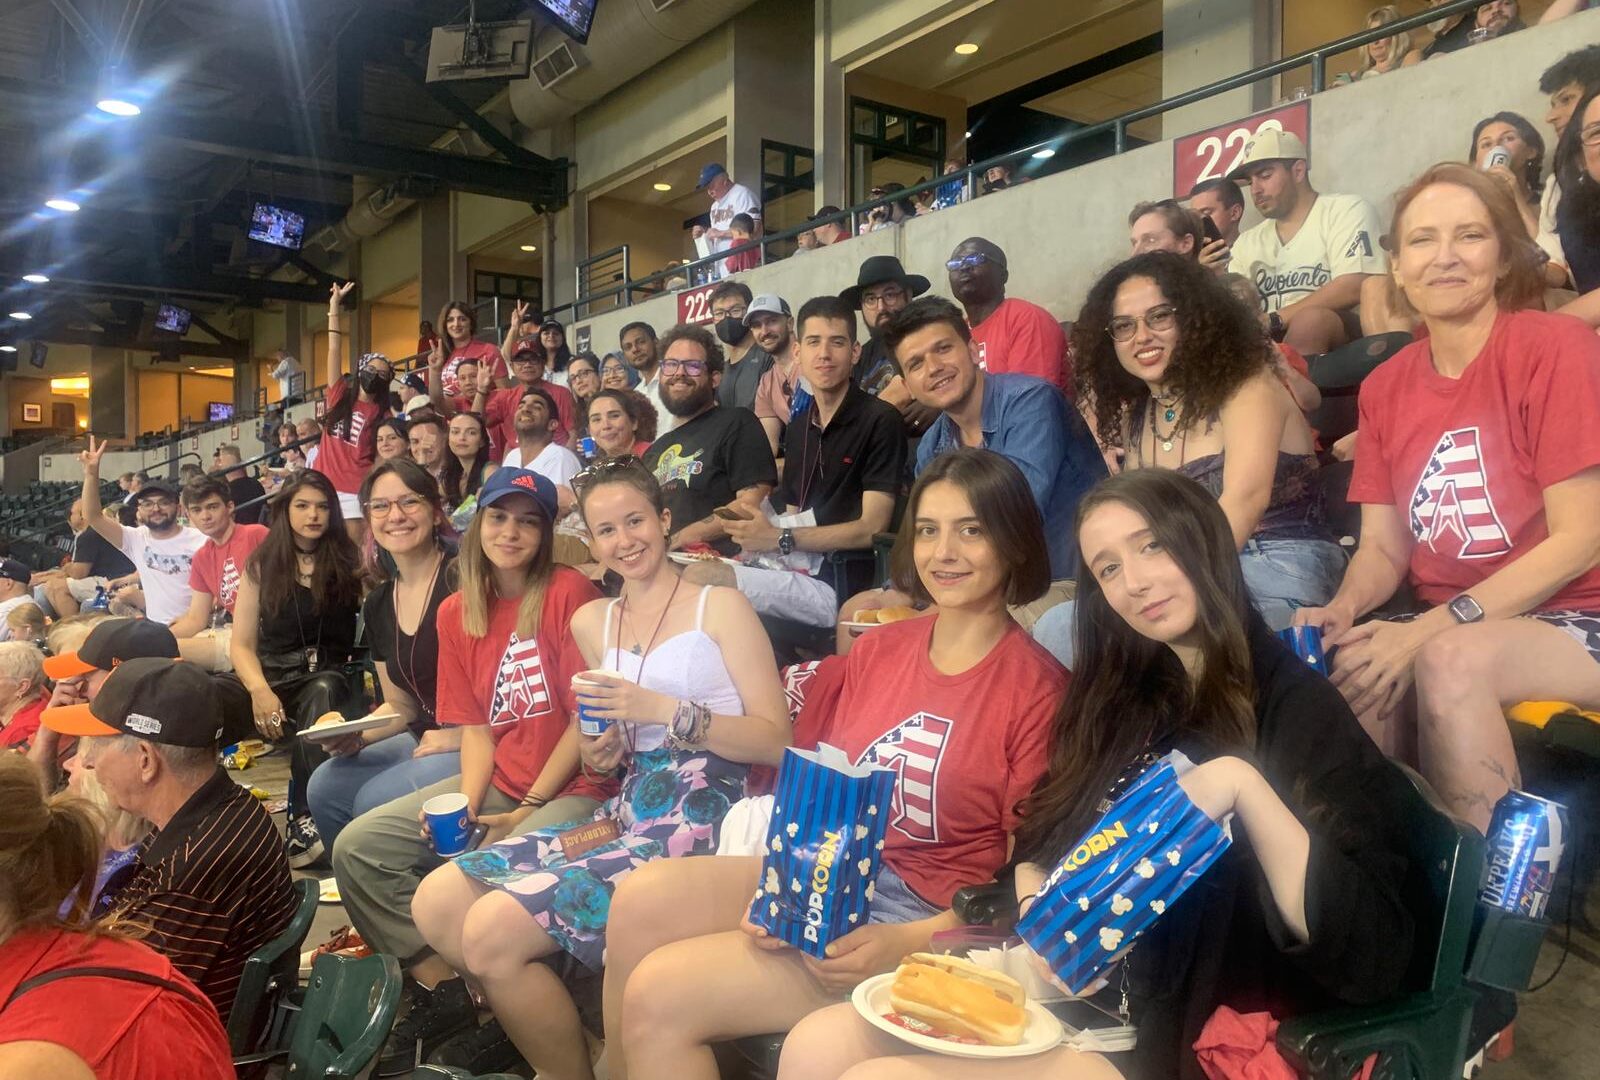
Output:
[[1269, 145]]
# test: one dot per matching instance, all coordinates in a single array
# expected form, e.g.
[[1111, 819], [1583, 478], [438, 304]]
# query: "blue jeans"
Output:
[[344, 788], [1282, 575]]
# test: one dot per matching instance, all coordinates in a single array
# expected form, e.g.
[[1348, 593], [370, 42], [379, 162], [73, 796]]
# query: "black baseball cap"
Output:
[[156, 487], [15, 571], [171, 702], [114, 642]]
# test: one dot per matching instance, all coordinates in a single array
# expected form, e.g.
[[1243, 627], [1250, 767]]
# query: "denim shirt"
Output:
[[1030, 422]]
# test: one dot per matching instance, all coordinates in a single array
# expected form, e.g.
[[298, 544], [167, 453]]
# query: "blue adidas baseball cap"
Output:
[[503, 482]]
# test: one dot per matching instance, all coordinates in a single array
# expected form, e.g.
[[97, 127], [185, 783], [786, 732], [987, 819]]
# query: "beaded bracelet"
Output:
[[690, 723]]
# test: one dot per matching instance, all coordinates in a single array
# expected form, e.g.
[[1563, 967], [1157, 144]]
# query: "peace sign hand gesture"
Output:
[[436, 354], [90, 458], [519, 314]]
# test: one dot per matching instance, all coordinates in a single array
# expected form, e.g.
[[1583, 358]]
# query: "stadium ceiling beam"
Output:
[[182, 282], [68, 336], [329, 152]]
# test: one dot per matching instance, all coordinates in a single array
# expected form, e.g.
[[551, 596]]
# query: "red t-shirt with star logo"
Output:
[[217, 568], [965, 748], [1466, 461], [521, 688]]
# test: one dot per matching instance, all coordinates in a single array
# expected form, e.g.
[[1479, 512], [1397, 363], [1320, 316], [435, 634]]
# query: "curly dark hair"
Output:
[[1220, 344]]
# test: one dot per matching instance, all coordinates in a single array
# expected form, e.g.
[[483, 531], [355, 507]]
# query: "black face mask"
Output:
[[373, 382], [732, 331]]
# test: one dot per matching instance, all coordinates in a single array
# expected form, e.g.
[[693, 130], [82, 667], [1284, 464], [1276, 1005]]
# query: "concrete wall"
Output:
[[1061, 232]]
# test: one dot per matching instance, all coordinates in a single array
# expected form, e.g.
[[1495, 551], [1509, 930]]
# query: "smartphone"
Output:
[[476, 837], [1209, 229], [729, 515]]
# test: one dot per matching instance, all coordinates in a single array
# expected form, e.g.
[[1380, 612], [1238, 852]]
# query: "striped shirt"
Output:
[[213, 887]]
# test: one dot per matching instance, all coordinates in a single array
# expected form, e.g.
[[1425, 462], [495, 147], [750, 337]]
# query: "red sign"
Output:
[[694, 305], [1215, 152]]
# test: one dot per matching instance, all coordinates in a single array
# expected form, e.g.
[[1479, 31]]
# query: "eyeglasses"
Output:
[[524, 359], [966, 262], [693, 368], [1157, 319], [408, 504], [729, 313], [869, 300]]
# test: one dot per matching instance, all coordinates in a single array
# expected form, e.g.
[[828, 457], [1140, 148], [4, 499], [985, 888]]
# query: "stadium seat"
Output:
[[1338, 374], [261, 1009], [340, 1026]]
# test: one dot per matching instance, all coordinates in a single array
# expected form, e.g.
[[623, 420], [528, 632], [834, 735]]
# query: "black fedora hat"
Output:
[[876, 271]]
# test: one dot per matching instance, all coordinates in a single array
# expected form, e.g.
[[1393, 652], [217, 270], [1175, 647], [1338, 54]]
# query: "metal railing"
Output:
[[851, 217], [11, 525], [608, 266]]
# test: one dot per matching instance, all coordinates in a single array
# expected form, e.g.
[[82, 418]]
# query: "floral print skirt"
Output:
[[672, 803]]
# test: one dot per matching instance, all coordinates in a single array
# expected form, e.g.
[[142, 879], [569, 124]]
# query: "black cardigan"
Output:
[[1224, 943]]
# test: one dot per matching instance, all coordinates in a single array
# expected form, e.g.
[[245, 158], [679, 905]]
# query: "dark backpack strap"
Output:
[[102, 973]]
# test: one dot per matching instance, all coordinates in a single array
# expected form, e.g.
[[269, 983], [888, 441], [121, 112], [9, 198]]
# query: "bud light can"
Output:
[[586, 448], [1306, 642], [1526, 837]]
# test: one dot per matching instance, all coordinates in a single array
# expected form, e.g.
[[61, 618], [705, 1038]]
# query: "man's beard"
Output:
[[779, 347], [686, 402]]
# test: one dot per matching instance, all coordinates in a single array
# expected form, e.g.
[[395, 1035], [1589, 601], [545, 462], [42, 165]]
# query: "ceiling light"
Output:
[[966, 48], [8, 348], [1043, 155], [117, 107], [19, 316], [35, 279], [530, 247], [66, 206], [663, 187]]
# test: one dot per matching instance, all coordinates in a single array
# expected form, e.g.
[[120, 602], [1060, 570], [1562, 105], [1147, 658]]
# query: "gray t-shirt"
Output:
[[740, 381]]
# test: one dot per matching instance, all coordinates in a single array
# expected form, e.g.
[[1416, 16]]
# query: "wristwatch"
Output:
[[785, 541], [1464, 609]]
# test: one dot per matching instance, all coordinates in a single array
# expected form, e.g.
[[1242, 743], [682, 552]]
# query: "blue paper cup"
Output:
[[588, 722], [1306, 641], [448, 823]]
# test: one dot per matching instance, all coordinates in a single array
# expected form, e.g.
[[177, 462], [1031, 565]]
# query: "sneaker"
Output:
[[434, 1016], [480, 1050], [303, 843]]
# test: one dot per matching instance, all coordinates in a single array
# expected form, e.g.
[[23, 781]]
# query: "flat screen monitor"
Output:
[[219, 410], [38, 354], [575, 18], [276, 226], [173, 318]]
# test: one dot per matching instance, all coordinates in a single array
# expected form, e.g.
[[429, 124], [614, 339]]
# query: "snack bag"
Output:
[[1143, 853], [824, 846]]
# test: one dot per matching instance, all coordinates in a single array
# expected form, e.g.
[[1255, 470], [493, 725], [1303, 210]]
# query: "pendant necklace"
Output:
[[1170, 412]]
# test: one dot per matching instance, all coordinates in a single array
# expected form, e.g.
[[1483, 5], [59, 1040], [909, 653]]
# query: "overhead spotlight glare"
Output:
[[35, 279], [19, 316], [663, 187], [66, 206], [1043, 155], [8, 348], [966, 48], [117, 107], [530, 247], [966, 135]]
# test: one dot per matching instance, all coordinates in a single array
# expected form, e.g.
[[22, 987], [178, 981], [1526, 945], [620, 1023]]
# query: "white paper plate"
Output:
[[685, 559], [348, 727], [871, 999], [328, 891], [851, 624]]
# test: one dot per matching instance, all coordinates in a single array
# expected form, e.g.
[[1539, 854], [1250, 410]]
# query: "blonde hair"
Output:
[[1521, 280], [25, 622], [477, 579], [1399, 44], [122, 827], [22, 660], [49, 849]]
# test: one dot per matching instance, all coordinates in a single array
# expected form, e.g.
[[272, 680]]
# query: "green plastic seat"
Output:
[[342, 1022], [1421, 1034], [270, 976]]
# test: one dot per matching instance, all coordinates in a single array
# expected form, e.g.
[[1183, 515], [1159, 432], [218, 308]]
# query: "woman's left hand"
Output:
[[611, 698], [861, 954], [438, 741], [1372, 668], [501, 825], [1513, 183]]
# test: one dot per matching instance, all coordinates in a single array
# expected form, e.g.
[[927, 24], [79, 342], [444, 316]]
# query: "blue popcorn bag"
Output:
[[1140, 856], [824, 847]]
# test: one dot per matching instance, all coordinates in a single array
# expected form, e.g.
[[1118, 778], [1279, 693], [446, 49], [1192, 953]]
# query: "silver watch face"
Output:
[[1466, 609]]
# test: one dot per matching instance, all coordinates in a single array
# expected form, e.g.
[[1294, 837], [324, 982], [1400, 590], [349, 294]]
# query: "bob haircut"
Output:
[[1521, 283], [1002, 503], [419, 482]]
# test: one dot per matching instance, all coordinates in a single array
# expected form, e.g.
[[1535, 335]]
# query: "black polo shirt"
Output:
[[826, 469], [213, 886]]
